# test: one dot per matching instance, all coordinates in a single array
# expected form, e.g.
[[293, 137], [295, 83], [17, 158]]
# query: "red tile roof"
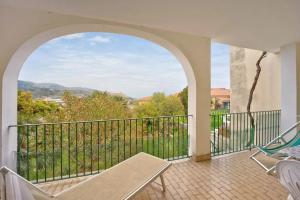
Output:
[[220, 92]]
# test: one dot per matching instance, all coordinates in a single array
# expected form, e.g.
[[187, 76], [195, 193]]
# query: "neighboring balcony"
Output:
[[54, 151], [58, 155]]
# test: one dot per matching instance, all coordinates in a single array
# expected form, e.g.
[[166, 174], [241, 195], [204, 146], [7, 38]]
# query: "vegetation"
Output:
[[218, 118], [183, 95], [160, 105], [87, 144], [34, 111], [60, 149], [98, 105]]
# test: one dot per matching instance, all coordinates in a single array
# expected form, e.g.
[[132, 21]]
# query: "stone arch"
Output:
[[11, 73]]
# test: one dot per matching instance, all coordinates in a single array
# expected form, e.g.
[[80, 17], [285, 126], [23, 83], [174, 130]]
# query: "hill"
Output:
[[55, 91]]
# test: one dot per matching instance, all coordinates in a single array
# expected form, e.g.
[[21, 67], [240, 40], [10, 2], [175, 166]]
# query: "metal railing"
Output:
[[230, 132], [54, 151]]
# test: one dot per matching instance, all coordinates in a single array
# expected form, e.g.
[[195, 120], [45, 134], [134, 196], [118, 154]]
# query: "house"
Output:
[[143, 100], [220, 98]]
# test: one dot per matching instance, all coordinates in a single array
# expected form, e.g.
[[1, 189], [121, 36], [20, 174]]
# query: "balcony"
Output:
[[232, 176], [56, 156], [54, 151]]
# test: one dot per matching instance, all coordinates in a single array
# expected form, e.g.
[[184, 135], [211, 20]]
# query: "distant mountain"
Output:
[[55, 91]]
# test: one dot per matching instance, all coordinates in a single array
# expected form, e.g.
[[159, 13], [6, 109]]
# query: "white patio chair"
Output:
[[280, 143], [121, 181], [289, 176]]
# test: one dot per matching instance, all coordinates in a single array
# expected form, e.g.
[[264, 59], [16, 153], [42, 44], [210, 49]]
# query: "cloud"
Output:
[[99, 39], [73, 36], [132, 66], [56, 41], [87, 60]]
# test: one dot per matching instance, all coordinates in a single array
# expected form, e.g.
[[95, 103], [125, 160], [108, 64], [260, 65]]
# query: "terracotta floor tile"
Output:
[[233, 176]]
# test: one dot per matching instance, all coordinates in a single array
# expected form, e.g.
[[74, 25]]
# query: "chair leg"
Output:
[[162, 183], [273, 168], [268, 170], [256, 153]]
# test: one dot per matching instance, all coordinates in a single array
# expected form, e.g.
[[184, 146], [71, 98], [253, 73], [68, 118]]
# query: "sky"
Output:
[[116, 63]]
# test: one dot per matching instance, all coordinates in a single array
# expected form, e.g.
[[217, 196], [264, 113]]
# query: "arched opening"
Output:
[[10, 78]]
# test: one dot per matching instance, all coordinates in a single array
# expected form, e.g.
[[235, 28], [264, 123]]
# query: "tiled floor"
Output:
[[233, 176]]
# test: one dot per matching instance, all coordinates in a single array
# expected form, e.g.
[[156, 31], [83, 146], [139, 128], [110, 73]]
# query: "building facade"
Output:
[[220, 98], [267, 94]]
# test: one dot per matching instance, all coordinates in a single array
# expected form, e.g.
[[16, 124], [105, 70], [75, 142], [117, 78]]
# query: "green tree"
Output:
[[99, 105], [34, 111], [160, 105], [172, 106], [183, 95]]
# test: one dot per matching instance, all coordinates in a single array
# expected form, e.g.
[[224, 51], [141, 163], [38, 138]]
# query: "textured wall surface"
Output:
[[267, 95]]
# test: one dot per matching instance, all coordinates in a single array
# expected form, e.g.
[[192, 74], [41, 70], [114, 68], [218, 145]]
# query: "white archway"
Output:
[[10, 77]]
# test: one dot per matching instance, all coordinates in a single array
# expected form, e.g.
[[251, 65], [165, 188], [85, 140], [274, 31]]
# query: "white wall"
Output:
[[290, 96], [267, 95]]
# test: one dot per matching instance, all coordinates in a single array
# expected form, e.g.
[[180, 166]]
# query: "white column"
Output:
[[290, 85], [195, 57], [198, 53], [9, 117]]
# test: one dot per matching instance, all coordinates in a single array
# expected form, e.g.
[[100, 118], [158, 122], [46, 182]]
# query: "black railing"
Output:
[[230, 132], [54, 151]]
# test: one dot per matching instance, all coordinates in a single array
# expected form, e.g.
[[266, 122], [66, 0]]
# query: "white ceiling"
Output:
[[258, 24]]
